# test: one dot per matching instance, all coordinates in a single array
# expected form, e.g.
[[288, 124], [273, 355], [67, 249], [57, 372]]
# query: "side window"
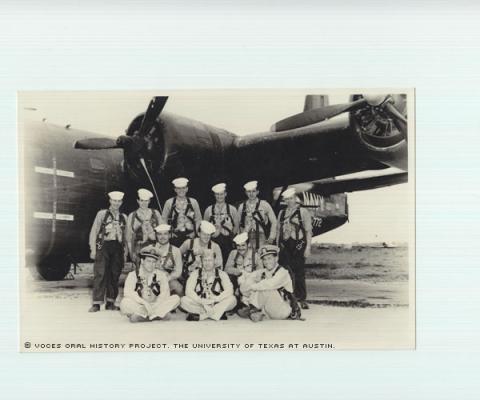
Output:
[[97, 164]]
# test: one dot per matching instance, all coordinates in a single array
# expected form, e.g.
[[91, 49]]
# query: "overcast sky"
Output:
[[375, 215]]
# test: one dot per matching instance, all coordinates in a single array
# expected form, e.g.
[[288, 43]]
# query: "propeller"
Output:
[[316, 115], [133, 146]]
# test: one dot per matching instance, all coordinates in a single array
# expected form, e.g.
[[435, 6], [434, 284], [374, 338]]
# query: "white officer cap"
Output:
[[207, 227], [163, 228], [241, 238], [219, 188], [144, 194], [252, 185], [116, 195], [180, 182], [290, 192]]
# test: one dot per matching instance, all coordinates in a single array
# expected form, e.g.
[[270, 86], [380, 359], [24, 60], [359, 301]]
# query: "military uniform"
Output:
[[294, 234], [208, 295], [223, 216], [191, 251], [107, 237], [258, 220], [184, 215], [141, 225], [143, 288], [170, 262]]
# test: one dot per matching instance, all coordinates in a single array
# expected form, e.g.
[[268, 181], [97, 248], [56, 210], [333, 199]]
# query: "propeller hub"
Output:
[[375, 100]]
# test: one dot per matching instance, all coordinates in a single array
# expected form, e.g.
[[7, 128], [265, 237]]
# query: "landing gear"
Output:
[[54, 267]]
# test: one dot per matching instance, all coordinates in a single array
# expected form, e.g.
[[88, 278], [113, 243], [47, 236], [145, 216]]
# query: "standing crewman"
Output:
[[294, 239], [141, 225], [107, 248], [182, 213], [256, 217], [169, 258], [223, 216]]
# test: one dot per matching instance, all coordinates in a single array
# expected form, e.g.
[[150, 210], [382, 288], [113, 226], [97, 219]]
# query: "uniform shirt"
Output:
[[288, 222], [239, 263], [267, 280], [183, 223], [207, 282], [147, 227], [146, 279], [173, 268], [218, 215], [113, 231], [266, 213], [198, 247]]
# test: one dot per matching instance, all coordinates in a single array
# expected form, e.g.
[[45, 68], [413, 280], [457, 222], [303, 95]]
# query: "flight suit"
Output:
[[107, 236], [170, 262], [184, 216], [142, 287], [208, 296], [294, 227], [223, 216], [238, 264], [191, 251], [268, 291], [140, 230], [258, 220]]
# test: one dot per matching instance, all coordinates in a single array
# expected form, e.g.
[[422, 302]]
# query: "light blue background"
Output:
[[433, 46]]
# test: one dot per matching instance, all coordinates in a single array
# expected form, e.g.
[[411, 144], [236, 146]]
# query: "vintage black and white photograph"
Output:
[[217, 220]]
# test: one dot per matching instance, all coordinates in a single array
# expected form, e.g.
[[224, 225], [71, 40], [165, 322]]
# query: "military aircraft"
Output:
[[68, 172]]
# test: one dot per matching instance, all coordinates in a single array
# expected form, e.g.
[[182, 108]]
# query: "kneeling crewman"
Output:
[[146, 292], [269, 292], [208, 292]]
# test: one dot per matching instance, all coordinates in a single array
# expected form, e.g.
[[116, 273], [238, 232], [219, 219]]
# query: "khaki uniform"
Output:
[[253, 218], [184, 216], [224, 217], [294, 232], [140, 230], [107, 237], [151, 288], [266, 290], [209, 296]]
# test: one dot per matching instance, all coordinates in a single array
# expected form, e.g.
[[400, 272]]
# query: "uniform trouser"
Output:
[[273, 305], [107, 268], [225, 243], [160, 307], [293, 258], [214, 313]]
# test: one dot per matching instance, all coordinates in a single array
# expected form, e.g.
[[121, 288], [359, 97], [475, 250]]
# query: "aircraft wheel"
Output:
[[54, 267]]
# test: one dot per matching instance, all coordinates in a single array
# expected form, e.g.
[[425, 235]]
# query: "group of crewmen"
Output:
[[179, 257]]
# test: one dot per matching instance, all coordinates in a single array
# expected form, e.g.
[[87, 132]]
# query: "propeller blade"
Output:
[[142, 161], [153, 111], [316, 115], [96, 144]]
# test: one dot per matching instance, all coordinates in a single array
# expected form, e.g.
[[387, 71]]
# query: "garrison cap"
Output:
[[290, 192], [163, 228], [207, 227], [252, 185], [269, 249], [144, 194], [241, 238], [180, 182], [219, 188], [116, 195]]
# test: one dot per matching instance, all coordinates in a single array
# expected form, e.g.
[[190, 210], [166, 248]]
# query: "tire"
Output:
[[54, 267]]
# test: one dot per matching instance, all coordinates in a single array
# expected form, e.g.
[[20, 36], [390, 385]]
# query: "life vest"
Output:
[[238, 255], [216, 287], [168, 257], [173, 215], [107, 219], [259, 222], [299, 227], [140, 285], [222, 224], [189, 257], [154, 222]]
